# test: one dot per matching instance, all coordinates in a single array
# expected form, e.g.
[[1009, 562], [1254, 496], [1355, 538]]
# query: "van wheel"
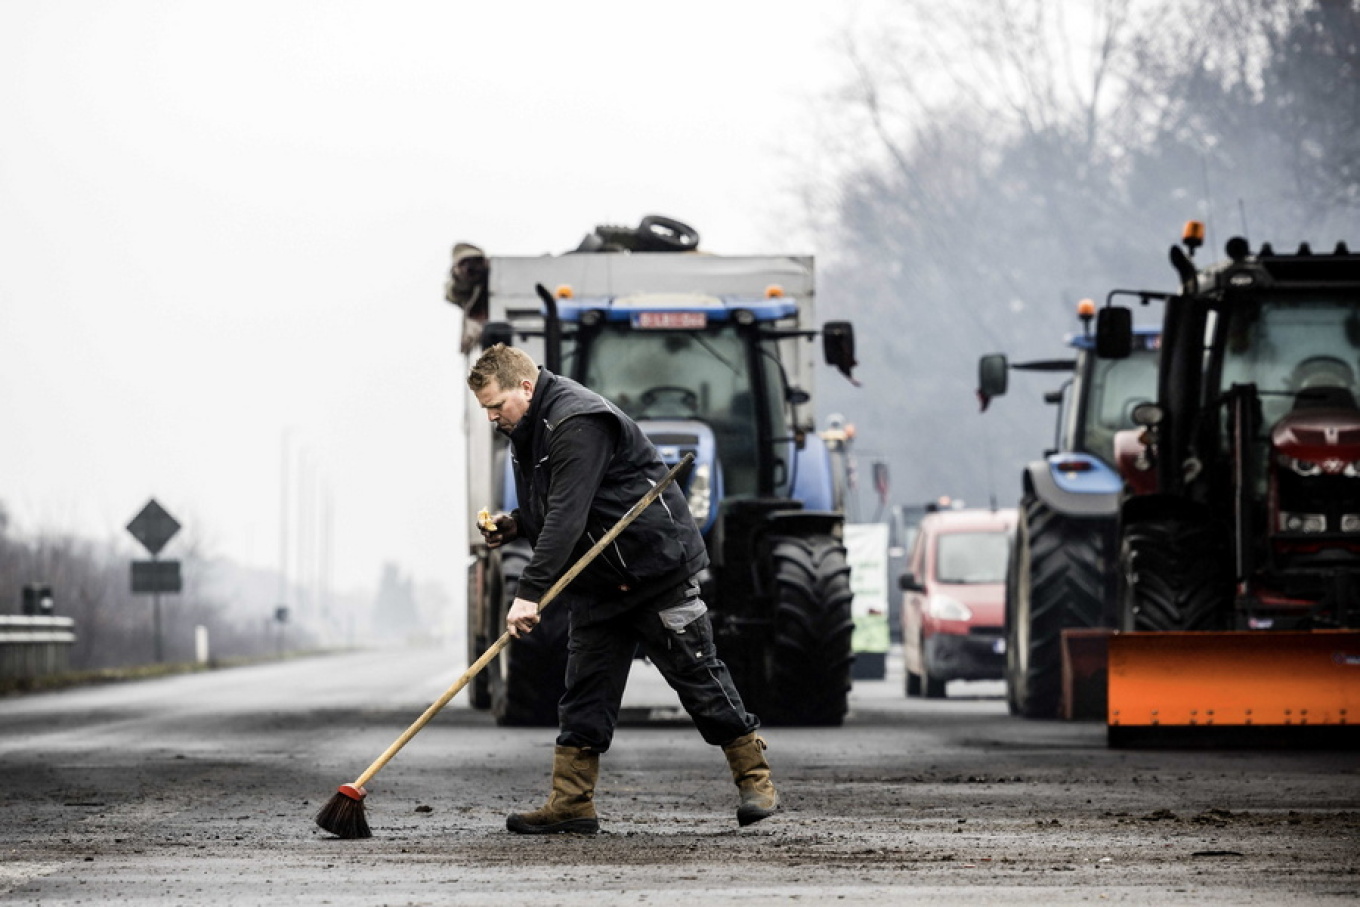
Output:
[[932, 686]]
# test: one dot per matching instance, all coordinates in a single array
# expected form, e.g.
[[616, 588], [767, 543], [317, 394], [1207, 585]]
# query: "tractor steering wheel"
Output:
[[669, 400]]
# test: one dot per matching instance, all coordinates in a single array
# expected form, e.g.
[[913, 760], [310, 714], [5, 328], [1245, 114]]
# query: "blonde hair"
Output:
[[506, 365]]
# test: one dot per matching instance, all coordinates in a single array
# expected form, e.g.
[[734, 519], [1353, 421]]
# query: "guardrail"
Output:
[[31, 646]]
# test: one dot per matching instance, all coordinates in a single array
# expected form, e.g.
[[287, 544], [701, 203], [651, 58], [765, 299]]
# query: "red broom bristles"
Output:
[[343, 814]]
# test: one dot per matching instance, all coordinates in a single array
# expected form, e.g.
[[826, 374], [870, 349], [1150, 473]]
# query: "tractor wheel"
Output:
[[529, 677], [1014, 692], [809, 659], [1176, 574], [1057, 580], [481, 632]]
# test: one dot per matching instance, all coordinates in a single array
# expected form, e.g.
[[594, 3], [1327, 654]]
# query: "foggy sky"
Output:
[[224, 229]]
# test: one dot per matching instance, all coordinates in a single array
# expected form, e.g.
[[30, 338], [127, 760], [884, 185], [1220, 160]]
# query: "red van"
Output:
[[954, 599]]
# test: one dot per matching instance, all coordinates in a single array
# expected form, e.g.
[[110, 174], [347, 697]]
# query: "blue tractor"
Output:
[[1064, 560], [711, 355]]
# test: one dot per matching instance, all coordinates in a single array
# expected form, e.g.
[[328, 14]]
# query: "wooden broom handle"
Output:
[[476, 667]]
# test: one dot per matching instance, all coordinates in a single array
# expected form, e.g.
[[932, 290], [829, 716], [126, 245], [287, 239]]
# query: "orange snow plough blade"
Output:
[[1281, 686]]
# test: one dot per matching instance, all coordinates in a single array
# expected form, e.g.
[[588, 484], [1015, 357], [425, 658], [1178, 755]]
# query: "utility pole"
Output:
[[284, 457]]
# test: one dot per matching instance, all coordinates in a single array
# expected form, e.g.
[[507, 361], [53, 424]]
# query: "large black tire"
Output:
[[809, 659], [1060, 576], [653, 234], [479, 688], [480, 630], [665, 234], [1176, 573], [528, 679]]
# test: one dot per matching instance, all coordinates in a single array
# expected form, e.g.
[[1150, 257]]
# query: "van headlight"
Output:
[[942, 607]]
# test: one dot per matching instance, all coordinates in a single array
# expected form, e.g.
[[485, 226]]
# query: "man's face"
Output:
[[506, 407]]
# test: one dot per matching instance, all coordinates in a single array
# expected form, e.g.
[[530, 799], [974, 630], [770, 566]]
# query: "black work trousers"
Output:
[[676, 634]]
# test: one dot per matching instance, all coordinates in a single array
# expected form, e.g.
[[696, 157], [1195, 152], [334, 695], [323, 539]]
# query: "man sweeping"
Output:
[[579, 464]]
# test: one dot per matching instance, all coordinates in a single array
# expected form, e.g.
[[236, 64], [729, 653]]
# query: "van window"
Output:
[[972, 557]]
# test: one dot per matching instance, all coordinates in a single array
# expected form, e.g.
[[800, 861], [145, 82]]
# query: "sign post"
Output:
[[153, 526]]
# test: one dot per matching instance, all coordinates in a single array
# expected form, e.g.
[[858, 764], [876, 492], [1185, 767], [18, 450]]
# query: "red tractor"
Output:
[[1239, 531]]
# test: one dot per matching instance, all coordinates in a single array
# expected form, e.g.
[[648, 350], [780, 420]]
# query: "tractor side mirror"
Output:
[[993, 375], [1114, 332], [838, 346]]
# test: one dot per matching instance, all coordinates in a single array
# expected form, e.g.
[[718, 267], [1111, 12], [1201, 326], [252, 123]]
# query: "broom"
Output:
[[343, 814]]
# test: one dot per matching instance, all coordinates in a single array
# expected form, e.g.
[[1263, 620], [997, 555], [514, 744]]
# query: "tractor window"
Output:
[[670, 374], [1116, 387], [682, 375], [777, 428], [1292, 344]]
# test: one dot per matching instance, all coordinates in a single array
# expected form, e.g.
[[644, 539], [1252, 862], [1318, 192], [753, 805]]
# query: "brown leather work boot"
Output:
[[746, 756], [570, 806]]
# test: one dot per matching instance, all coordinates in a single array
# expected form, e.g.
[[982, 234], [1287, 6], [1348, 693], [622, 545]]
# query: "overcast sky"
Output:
[[224, 230]]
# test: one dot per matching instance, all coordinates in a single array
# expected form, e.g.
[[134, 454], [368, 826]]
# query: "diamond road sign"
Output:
[[153, 527]]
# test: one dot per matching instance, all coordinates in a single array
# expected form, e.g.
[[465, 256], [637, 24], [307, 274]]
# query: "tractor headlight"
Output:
[[1303, 522], [700, 494], [1350, 522], [1352, 469], [942, 607]]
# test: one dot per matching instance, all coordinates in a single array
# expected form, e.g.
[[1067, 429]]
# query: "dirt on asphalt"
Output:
[[949, 801]]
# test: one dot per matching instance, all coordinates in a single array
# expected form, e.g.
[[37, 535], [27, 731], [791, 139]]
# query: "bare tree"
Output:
[[995, 161]]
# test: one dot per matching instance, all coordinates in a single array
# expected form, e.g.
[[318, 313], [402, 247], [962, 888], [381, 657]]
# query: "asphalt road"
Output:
[[201, 789]]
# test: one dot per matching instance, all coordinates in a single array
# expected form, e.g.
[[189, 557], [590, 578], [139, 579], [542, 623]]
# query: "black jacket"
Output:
[[580, 464]]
